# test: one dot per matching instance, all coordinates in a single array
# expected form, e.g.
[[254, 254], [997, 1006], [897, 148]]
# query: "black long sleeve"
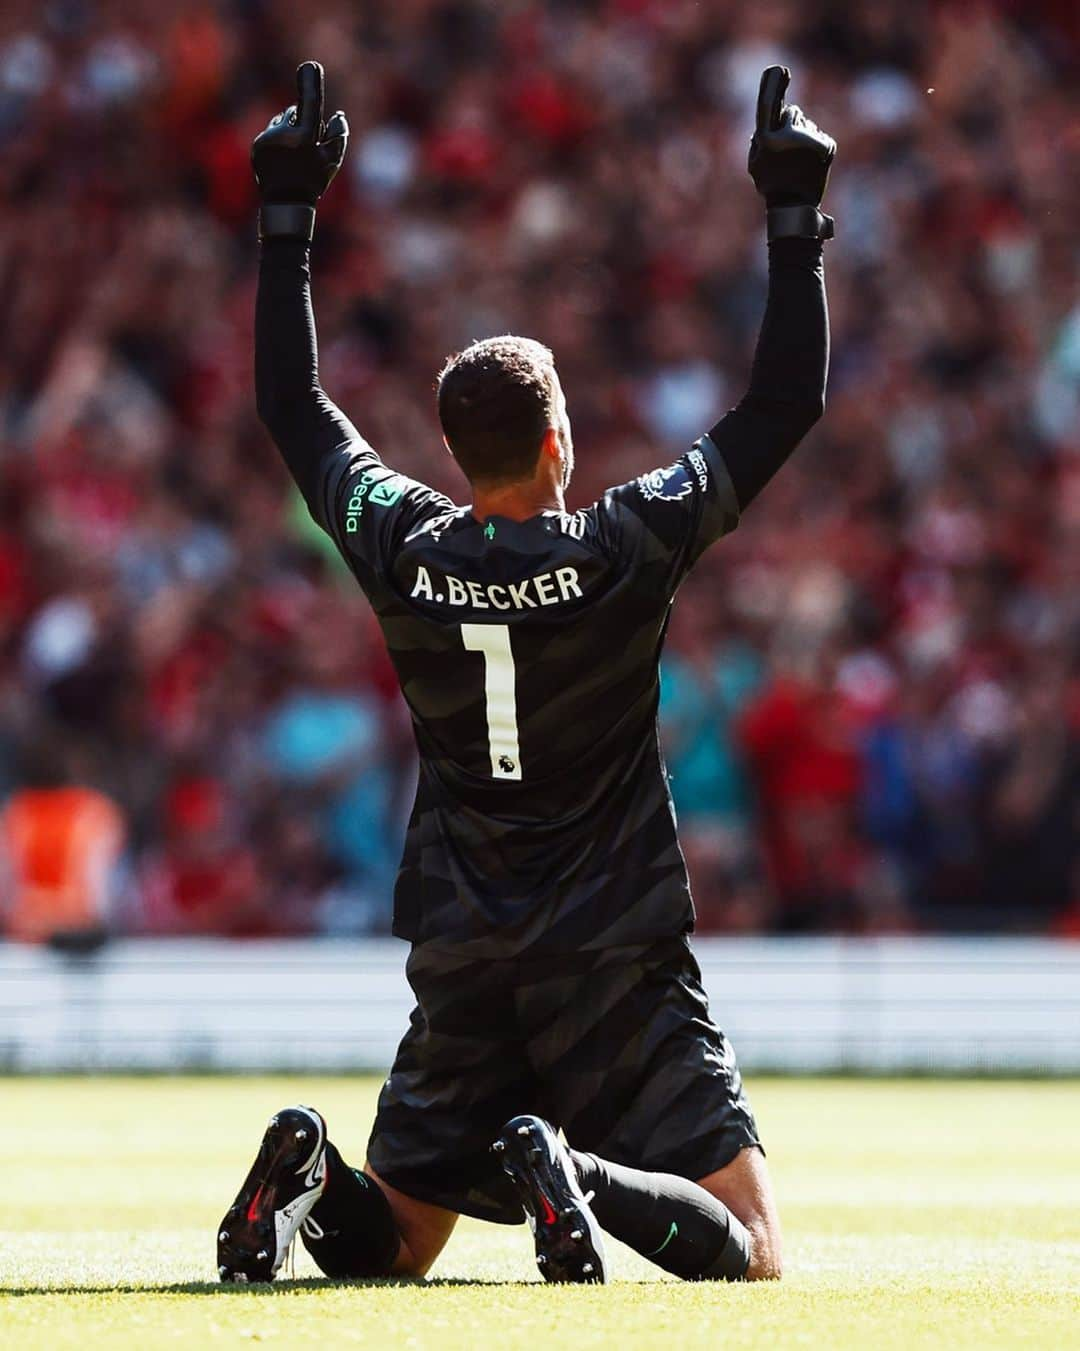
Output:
[[306, 425], [787, 385]]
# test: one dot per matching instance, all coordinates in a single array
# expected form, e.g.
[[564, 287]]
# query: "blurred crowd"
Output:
[[871, 700]]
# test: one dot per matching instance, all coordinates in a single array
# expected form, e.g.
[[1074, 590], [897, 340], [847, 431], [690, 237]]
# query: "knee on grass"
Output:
[[766, 1261]]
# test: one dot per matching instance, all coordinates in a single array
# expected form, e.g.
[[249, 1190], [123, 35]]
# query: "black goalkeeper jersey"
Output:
[[528, 652]]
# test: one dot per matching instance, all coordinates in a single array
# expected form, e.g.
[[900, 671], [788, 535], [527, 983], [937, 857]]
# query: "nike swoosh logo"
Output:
[[253, 1209], [317, 1171], [673, 1232]]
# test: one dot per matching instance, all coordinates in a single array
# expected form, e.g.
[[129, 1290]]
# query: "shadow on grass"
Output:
[[261, 1288]]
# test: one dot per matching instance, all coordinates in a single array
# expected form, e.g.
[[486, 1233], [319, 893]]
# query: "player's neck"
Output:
[[517, 501]]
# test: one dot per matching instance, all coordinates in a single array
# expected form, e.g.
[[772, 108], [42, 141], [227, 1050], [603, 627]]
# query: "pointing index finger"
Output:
[[770, 99], [309, 100]]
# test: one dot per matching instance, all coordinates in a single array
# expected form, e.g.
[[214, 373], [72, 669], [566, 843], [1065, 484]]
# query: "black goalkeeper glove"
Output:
[[296, 158], [789, 162]]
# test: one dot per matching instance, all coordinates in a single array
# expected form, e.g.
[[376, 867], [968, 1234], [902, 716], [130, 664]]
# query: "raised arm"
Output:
[[663, 522], [789, 161], [294, 160], [366, 507], [307, 426]]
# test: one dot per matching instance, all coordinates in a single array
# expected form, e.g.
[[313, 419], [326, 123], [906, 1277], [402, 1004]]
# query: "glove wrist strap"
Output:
[[286, 220], [800, 222]]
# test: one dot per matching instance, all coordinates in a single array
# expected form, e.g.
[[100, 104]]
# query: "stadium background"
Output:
[[870, 697], [870, 694]]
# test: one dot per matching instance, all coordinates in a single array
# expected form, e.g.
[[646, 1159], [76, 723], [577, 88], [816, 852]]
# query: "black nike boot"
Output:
[[285, 1181], [569, 1245]]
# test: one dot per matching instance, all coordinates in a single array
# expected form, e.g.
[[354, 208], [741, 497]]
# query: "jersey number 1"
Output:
[[500, 678]]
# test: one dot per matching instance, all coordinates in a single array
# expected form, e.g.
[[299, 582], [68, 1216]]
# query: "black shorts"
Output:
[[615, 1046]]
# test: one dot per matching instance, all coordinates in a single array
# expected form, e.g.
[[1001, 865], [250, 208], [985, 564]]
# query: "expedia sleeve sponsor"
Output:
[[375, 488]]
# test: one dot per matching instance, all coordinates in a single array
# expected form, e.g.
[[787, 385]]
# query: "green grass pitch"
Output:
[[917, 1214]]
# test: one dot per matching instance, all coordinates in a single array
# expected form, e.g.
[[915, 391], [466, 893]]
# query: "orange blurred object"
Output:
[[59, 848]]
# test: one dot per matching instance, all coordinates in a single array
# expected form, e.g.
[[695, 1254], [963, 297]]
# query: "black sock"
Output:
[[350, 1231], [673, 1222]]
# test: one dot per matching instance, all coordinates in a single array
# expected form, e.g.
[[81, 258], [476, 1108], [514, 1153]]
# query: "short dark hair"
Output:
[[496, 400]]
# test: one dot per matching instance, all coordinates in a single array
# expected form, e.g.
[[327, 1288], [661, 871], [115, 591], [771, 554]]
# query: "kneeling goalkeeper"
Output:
[[542, 888]]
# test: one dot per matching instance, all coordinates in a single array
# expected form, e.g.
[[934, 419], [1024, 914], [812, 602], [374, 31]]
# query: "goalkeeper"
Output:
[[542, 888]]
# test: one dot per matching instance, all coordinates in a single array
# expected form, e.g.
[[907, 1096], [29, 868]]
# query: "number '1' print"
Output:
[[500, 698]]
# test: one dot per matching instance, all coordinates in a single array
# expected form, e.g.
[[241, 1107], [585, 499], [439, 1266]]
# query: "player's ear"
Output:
[[551, 444]]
